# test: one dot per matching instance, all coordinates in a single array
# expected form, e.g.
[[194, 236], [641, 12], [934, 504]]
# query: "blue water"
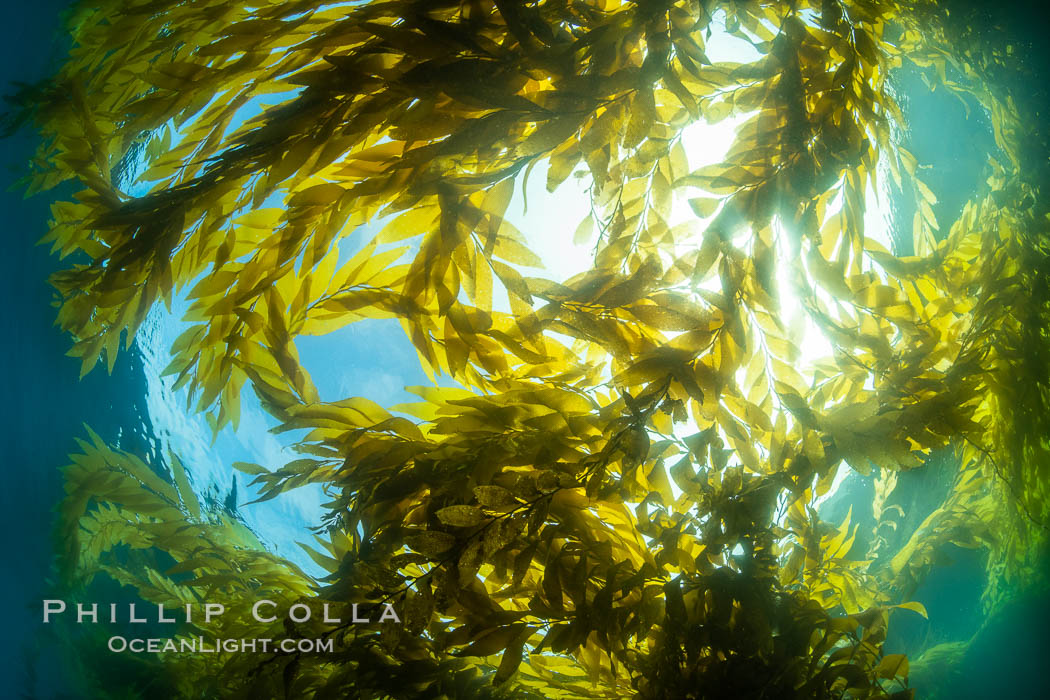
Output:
[[43, 404]]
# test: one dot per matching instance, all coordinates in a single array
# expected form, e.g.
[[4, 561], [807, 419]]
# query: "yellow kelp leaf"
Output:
[[186, 493], [893, 666]]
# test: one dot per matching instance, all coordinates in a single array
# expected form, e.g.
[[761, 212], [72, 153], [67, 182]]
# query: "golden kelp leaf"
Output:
[[186, 493], [461, 516], [414, 222], [323, 560], [494, 641], [430, 543], [512, 657], [893, 666], [583, 231], [643, 112], [494, 496], [914, 606], [704, 207], [250, 468]]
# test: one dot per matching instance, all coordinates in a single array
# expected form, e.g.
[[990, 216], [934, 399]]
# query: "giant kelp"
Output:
[[619, 496]]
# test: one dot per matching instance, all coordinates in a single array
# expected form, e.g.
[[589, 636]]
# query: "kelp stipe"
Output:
[[621, 496]]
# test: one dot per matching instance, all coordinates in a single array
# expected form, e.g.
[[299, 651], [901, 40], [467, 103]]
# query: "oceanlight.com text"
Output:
[[200, 645]]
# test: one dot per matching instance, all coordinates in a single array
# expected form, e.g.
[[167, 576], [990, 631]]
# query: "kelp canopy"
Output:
[[618, 498]]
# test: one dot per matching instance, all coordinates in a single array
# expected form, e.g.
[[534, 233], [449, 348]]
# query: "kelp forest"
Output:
[[612, 485]]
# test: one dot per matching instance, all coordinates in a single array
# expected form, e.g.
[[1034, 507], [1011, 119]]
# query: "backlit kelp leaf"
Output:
[[186, 493], [893, 666], [628, 471], [460, 516], [430, 543]]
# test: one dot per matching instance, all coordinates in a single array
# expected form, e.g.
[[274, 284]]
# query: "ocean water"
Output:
[[44, 407], [42, 403]]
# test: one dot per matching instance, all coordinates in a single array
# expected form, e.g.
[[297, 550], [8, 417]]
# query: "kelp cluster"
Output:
[[618, 497]]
